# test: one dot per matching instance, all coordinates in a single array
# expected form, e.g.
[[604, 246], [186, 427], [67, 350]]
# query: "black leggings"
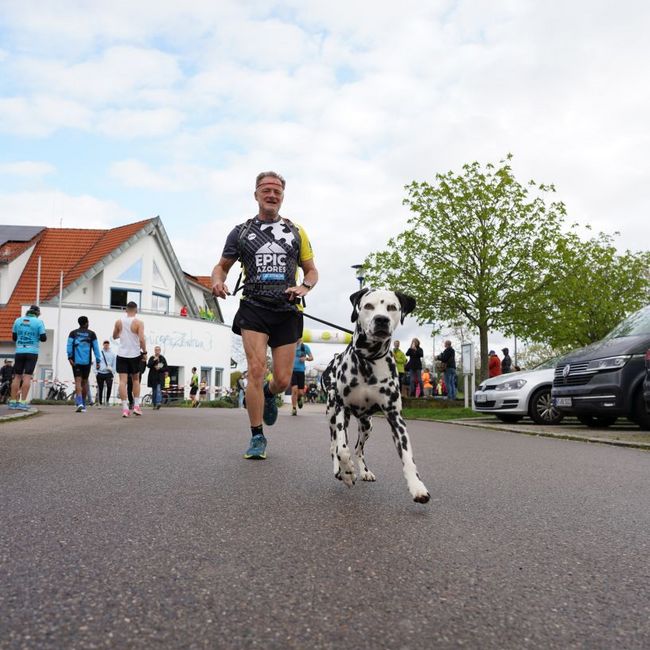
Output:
[[102, 380]]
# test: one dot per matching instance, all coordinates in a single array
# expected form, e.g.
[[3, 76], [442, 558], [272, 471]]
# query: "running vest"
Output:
[[129, 341], [269, 254]]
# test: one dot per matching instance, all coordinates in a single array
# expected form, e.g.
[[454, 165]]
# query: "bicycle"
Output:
[[59, 393]]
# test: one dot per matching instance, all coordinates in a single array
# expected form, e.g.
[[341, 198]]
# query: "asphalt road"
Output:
[[155, 533]]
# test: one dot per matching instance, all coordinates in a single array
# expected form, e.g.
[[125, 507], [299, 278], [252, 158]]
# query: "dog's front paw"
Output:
[[367, 475], [420, 494]]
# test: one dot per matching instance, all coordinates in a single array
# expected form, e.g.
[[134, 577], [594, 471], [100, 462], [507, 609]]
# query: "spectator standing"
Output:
[[194, 388], [28, 332], [415, 354], [426, 382], [82, 345], [133, 350], [448, 357], [157, 365], [400, 362], [105, 374], [271, 249], [494, 364], [242, 382], [303, 353], [506, 362], [6, 377]]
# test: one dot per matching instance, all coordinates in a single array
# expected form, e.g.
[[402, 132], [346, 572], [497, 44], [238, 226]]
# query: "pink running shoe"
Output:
[[137, 410], [125, 413]]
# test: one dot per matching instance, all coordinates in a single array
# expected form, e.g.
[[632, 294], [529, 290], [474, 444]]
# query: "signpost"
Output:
[[467, 357]]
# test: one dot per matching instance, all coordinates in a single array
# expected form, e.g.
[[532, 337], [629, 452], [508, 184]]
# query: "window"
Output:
[[160, 303], [119, 297], [158, 279], [133, 273]]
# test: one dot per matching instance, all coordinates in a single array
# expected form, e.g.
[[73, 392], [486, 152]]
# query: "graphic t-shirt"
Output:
[[28, 330], [270, 254], [302, 350]]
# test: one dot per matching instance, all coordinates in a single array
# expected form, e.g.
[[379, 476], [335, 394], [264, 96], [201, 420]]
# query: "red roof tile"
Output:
[[71, 250]]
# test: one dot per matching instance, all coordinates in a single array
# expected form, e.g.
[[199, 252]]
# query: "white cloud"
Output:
[[57, 209], [139, 123], [27, 168], [41, 115]]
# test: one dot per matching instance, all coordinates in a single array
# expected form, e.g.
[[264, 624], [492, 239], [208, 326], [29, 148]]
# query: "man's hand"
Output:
[[220, 289], [294, 293]]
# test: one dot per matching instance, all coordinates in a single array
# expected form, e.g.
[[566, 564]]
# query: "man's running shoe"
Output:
[[300, 402], [294, 412], [137, 410], [257, 449], [13, 404], [270, 414], [22, 406], [126, 413], [79, 409]]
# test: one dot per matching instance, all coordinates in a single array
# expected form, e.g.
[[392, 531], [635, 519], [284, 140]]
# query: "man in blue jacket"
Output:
[[28, 332], [82, 343]]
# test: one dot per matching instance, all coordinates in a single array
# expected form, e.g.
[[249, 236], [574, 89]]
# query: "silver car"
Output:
[[513, 396]]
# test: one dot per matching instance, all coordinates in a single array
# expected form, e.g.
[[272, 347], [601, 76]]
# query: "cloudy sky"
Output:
[[112, 112]]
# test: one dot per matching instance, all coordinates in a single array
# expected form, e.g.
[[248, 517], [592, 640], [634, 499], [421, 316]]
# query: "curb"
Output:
[[549, 434], [11, 416]]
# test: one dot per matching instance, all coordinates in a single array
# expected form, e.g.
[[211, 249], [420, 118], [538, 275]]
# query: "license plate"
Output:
[[480, 397], [562, 401]]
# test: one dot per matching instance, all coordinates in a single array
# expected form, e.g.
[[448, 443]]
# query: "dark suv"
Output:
[[604, 381]]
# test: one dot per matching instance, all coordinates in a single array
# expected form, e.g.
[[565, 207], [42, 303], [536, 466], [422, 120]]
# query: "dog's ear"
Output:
[[355, 299], [407, 304]]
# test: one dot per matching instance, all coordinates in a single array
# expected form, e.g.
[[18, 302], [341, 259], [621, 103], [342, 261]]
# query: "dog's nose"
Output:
[[381, 321]]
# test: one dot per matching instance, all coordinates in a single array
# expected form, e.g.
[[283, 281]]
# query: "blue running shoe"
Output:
[[257, 449], [13, 405], [22, 406], [270, 414]]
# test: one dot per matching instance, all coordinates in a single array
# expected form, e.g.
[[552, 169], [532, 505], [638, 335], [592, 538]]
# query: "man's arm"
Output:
[[310, 277], [96, 351], [117, 330], [219, 275]]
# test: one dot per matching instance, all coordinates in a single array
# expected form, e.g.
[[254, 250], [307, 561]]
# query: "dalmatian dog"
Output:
[[363, 380]]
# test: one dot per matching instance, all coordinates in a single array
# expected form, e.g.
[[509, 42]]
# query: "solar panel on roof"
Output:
[[18, 233]]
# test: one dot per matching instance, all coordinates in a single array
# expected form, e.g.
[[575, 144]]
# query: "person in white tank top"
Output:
[[133, 347]]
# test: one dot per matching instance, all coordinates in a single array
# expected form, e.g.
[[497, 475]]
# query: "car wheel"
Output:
[[597, 421], [541, 408], [508, 417], [640, 414]]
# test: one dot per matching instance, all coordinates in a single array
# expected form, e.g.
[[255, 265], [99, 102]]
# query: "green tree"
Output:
[[479, 250], [597, 288]]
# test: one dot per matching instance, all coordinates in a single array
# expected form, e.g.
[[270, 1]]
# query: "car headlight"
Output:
[[608, 363], [515, 384]]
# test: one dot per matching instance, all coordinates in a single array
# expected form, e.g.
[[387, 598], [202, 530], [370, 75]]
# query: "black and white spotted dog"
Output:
[[363, 380]]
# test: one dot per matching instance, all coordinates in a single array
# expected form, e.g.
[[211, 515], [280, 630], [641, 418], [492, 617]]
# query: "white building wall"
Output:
[[10, 274]]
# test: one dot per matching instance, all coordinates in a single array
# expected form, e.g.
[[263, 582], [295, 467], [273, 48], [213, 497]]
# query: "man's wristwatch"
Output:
[[306, 284]]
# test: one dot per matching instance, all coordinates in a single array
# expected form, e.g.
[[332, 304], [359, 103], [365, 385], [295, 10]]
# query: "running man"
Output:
[[133, 350], [28, 332], [271, 249], [82, 344], [303, 353]]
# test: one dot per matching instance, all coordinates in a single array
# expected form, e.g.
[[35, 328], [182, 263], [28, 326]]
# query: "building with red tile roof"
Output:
[[69, 271]]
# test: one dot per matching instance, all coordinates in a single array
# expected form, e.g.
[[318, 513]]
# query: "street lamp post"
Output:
[[359, 274]]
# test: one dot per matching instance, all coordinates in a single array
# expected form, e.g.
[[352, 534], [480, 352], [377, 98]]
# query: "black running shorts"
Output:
[[298, 379], [128, 365], [282, 327], [24, 364], [81, 370]]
